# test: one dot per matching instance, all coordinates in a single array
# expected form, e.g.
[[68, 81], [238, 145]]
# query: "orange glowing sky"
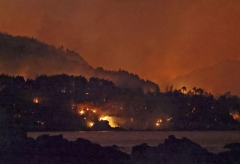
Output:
[[157, 39]]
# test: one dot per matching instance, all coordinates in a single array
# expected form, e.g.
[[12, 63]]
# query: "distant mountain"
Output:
[[217, 79], [29, 57]]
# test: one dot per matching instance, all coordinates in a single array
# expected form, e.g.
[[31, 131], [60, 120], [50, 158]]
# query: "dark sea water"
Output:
[[213, 141]]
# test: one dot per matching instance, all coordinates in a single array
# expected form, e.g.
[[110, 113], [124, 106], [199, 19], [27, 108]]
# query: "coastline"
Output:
[[57, 149], [212, 140]]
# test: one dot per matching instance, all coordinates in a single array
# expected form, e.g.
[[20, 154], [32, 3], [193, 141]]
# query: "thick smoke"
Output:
[[29, 58], [158, 40]]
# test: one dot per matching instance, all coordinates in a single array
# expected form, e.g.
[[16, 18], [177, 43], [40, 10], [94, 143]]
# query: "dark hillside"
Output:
[[29, 57]]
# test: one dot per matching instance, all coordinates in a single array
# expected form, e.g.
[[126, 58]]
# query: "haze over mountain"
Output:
[[29, 57], [218, 79], [157, 39]]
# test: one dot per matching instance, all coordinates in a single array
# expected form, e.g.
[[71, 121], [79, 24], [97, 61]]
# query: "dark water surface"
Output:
[[213, 141]]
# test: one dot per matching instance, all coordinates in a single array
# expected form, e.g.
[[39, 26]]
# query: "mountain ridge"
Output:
[[218, 79], [29, 57]]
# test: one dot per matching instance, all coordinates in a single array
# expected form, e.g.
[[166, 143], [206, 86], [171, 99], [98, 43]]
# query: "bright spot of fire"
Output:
[[90, 124], [158, 123], [160, 120], [35, 100], [91, 113], [235, 116], [131, 119], [110, 120], [104, 118]]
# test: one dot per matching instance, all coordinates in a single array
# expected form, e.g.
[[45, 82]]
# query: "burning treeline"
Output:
[[63, 102], [115, 114]]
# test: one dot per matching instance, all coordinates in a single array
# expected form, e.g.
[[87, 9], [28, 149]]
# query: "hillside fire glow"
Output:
[[93, 114], [110, 120], [116, 116], [40, 105], [235, 116]]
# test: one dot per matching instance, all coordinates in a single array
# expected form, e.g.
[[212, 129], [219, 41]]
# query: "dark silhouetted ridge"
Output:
[[29, 57]]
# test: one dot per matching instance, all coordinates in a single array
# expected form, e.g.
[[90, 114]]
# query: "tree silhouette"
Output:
[[195, 90], [184, 89], [200, 91]]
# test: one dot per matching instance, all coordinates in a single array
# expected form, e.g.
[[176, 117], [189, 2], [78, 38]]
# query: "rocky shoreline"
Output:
[[57, 150]]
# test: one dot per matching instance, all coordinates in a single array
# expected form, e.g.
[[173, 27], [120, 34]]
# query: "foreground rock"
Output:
[[232, 156], [57, 150], [181, 151]]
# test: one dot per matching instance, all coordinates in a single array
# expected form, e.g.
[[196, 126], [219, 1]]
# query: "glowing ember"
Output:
[[157, 124], [90, 124], [109, 119], [35, 100], [81, 112], [235, 116], [103, 118], [160, 120]]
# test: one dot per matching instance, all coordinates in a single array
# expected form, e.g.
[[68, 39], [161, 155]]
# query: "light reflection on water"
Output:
[[213, 141]]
